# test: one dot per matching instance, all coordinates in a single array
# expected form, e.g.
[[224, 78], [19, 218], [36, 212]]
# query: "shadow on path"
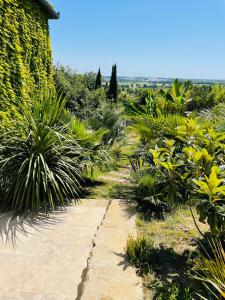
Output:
[[12, 228]]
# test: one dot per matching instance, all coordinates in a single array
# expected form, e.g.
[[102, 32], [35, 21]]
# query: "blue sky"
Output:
[[160, 38]]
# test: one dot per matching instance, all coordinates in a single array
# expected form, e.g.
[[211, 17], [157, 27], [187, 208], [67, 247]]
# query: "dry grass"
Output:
[[106, 182], [178, 233]]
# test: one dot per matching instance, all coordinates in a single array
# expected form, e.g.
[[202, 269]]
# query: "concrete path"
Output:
[[45, 259], [109, 276], [76, 253]]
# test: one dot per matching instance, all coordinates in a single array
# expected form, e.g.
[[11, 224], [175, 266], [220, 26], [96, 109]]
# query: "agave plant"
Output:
[[40, 162]]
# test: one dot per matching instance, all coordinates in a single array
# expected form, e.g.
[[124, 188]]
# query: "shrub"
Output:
[[147, 192], [177, 99], [82, 98], [212, 205], [179, 168], [201, 97], [173, 292]]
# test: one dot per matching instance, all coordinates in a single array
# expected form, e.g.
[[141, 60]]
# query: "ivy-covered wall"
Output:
[[25, 50]]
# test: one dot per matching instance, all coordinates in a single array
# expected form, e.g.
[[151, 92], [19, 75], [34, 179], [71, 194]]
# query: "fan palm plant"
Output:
[[150, 128], [87, 138], [109, 117], [97, 154]]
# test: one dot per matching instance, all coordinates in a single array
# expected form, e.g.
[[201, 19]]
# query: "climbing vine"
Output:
[[25, 50]]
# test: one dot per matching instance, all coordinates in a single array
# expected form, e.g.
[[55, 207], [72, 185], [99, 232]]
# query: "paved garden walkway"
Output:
[[76, 253]]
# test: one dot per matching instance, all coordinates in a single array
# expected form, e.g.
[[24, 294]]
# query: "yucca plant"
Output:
[[40, 162], [210, 270]]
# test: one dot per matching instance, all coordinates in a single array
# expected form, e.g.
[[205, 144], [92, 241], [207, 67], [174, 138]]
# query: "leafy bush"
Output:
[[147, 106], [91, 141], [174, 156], [218, 93], [201, 97], [82, 98], [155, 103], [159, 181], [174, 292], [212, 205], [90, 105]]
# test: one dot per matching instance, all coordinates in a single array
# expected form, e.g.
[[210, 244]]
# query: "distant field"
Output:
[[132, 82]]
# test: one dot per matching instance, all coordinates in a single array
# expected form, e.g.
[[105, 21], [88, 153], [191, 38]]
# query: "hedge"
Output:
[[25, 49]]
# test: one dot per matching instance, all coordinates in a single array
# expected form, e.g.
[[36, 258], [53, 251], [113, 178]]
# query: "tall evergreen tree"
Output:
[[113, 85], [98, 82]]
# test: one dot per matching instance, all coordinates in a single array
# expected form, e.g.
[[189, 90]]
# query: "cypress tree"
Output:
[[113, 85], [98, 82]]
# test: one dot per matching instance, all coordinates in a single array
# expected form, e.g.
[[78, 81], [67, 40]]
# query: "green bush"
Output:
[[212, 206], [201, 97], [82, 98], [90, 105], [156, 103], [173, 165]]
